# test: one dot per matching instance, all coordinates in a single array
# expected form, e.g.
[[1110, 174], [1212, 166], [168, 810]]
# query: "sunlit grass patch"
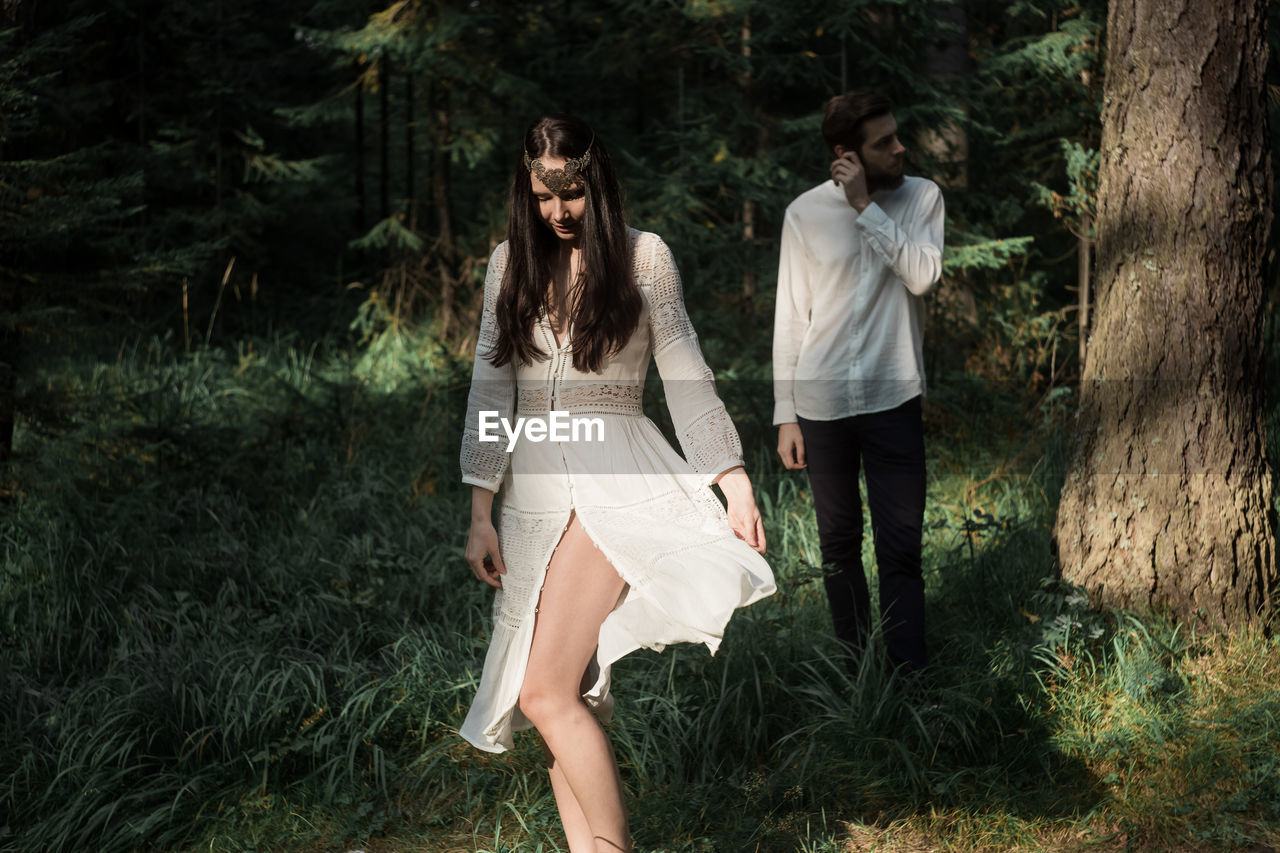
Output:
[[957, 831], [1183, 732]]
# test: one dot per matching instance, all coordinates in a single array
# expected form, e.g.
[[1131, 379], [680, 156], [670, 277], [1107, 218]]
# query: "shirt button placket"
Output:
[[558, 369]]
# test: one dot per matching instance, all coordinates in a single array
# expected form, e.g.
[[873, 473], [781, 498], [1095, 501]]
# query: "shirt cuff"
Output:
[[707, 478], [784, 412], [491, 485], [872, 218]]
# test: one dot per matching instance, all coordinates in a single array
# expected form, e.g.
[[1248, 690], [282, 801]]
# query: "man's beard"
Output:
[[884, 181]]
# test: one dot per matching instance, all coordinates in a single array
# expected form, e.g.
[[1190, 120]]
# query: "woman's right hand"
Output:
[[482, 553], [482, 539]]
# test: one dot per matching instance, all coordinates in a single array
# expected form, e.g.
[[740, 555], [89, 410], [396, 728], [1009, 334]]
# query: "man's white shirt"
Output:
[[848, 329]]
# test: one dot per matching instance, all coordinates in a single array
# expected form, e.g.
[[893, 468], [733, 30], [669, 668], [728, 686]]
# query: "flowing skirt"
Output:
[[655, 521]]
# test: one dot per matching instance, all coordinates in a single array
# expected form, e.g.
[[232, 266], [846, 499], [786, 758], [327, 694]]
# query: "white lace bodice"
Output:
[[707, 436]]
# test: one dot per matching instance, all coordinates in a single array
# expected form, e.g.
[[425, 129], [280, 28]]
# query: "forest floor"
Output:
[[238, 619]]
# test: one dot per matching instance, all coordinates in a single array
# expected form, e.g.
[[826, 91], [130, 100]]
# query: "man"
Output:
[[858, 254]]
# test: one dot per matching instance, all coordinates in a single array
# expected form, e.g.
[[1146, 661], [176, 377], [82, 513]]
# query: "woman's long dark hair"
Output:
[[609, 303]]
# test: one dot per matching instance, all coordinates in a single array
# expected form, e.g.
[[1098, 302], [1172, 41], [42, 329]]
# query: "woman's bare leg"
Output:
[[577, 831], [580, 590], [576, 828]]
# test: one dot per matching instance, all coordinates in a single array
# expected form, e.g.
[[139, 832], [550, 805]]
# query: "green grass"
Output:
[[236, 618]]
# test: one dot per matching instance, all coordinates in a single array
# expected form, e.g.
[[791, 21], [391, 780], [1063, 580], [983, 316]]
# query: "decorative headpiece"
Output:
[[560, 181]]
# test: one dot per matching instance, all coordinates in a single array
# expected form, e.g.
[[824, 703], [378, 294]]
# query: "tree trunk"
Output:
[[11, 343], [446, 251], [1167, 503], [948, 143], [384, 138], [440, 177], [410, 191], [748, 205], [10, 352], [1084, 251], [362, 219], [217, 113], [142, 80]]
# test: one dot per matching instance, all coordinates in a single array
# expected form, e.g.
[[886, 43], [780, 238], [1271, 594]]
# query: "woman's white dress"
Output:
[[651, 513]]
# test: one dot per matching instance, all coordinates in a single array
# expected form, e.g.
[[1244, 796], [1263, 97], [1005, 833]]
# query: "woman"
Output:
[[607, 541]]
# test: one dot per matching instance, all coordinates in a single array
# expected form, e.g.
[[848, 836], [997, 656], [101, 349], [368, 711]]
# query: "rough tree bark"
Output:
[[1167, 502]]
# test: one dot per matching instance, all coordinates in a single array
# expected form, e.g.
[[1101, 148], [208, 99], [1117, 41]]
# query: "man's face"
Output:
[[883, 156]]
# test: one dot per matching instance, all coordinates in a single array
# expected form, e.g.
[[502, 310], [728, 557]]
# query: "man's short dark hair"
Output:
[[844, 115]]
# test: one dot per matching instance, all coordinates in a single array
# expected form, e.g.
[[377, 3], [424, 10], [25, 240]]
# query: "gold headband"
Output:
[[560, 181]]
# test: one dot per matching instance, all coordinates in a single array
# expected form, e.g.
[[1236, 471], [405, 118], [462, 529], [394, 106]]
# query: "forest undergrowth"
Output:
[[236, 618]]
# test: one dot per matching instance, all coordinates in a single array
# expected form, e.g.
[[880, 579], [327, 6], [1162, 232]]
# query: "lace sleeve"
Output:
[[492, 390], [707, 435]]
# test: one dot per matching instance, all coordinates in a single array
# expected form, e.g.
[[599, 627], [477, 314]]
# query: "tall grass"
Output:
[[236, 618]]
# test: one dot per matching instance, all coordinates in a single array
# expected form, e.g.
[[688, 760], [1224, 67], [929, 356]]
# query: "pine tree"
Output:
[[66, 208], [1168, 500]]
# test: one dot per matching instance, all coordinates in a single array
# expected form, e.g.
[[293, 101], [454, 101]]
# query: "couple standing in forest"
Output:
[[613, 542]]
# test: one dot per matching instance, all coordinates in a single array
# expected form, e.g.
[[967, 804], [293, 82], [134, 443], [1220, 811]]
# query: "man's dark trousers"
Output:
[[890, 447]]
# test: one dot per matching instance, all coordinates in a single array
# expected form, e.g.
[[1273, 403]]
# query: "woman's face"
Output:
[[562, 213]]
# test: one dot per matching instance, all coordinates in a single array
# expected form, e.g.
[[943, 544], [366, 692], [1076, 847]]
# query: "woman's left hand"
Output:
[[744, 516]]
